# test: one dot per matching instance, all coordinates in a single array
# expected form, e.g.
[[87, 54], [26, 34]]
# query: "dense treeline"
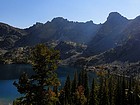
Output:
[[107, 89], [43, 87]]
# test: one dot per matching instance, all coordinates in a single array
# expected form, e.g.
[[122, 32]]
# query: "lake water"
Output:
[[10, 73]]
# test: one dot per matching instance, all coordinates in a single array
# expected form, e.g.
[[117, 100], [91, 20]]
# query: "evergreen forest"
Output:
[[43, 87]]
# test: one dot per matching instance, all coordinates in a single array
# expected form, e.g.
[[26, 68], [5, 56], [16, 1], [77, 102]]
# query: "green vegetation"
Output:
[[106, 89], [34, 88], [42, 87]]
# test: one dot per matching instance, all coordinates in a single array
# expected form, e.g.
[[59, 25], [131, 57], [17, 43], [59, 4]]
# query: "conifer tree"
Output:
[[130, 93], [44, 62], [100, 91], [80, 98], [118, 91], [137, 92], [67, 90], [110, 89], [93, 95], [105, 98], [86, 85], [74, 83], [123, 95], [80, 79], [62, 97], [73, 88]]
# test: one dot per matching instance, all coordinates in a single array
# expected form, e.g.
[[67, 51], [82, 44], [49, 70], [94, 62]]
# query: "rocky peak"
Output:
[[37, 25], [137, 18], [59, 20], [6, 30], [116, 17], [136, 22]]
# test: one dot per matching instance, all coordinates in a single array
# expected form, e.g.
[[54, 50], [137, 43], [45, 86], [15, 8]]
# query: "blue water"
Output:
[[10, 73], [13, 71], [7, 90]]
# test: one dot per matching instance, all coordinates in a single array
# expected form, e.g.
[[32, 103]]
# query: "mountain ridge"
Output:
[[108, 35], [116, 33]]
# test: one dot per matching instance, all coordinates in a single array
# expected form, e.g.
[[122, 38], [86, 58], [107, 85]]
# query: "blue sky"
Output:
[[24, 13]]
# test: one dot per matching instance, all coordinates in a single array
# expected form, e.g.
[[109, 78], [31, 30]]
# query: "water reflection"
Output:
[[13, 71]]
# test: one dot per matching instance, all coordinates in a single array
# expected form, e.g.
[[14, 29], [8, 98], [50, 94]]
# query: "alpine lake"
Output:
[[11, 72]]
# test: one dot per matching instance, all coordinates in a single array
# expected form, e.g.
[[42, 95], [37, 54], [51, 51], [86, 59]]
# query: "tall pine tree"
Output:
[[93, 95], [34, 88], [67, 90]]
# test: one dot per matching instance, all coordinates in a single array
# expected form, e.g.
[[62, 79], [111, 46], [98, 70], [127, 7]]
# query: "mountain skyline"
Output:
[[117, 33], [24, 13], [76, 21], [64, 30]]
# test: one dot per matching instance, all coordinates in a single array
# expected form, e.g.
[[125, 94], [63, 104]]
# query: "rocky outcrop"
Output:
[[68, 49], [9, 35]]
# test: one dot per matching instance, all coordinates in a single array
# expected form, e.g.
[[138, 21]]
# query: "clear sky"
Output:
[[24, 13]]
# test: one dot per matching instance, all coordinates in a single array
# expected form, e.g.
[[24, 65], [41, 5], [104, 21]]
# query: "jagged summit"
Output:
[[117, 17], [114, 14], [38, 24], [99, 38], [59, 19], [136, 20]]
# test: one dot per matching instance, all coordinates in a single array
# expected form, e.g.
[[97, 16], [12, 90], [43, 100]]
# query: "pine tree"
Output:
[[93, 95], [44, 62], [80, 98], [83, 80], [67, 90], [73, 88], [110, 89], [123, 88], [118, 91], [137, 92], [80, 79], [62, 97], [74, 83], [130, 93], [100, 91], [105, 98], [86, 86]]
